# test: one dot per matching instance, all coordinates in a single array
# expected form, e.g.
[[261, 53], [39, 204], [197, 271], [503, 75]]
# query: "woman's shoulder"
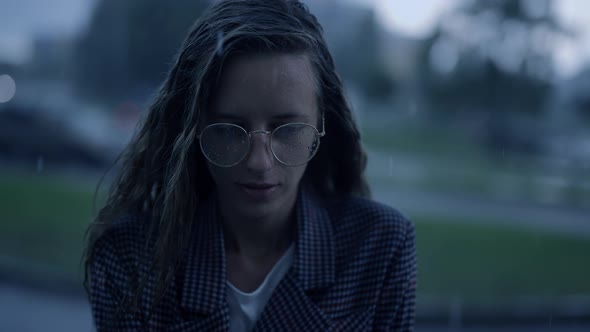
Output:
[[355, 217], [368, 212], [126, 227], [125, 236]]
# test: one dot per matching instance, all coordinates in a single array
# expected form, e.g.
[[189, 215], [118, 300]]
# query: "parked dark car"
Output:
[[27, 136]]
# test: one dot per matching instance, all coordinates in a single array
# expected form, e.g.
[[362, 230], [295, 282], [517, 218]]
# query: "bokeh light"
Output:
[[7, 88]]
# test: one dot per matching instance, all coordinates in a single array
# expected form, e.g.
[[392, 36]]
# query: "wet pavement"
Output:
[[28, 310]]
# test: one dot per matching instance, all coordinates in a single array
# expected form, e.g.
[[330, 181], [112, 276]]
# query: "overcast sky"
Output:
[[417, 18], [22, 19]]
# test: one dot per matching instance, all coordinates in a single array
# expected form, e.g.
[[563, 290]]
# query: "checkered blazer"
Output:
[[354, 269]]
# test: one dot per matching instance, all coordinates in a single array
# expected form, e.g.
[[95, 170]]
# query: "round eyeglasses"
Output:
[[292, 144]]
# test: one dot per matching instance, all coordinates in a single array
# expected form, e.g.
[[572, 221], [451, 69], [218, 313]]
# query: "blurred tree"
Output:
[[359, 58], [583, 107], [129, 45], [492, 59], [579, 96]]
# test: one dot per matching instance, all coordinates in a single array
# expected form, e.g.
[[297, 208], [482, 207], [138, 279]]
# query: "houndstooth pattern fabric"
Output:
[[354, 269]]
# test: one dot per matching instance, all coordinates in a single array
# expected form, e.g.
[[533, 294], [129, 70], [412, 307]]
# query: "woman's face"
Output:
[[261, 93]]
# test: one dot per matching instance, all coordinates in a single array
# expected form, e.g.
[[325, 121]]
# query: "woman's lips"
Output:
[[258, 191], [257, 185]]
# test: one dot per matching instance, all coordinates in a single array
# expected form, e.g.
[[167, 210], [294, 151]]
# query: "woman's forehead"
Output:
[[266, 86]]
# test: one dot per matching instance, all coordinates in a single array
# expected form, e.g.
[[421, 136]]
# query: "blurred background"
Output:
[[475, 115]]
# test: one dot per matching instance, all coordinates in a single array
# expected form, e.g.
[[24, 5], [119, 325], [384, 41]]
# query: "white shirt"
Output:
[[245, 308]]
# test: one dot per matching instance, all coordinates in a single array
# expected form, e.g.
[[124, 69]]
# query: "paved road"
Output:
[[26, 310], [462, 207], [416, 202], [539, 328]]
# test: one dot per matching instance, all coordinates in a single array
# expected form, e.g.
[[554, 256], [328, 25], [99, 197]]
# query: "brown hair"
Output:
[[162, 169]]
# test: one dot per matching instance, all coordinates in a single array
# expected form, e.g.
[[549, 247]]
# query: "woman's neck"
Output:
[[258, 237]]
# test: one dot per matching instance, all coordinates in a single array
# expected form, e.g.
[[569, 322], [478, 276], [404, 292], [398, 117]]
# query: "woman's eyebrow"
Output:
[[283, 116], [288, 116], [227, 116]]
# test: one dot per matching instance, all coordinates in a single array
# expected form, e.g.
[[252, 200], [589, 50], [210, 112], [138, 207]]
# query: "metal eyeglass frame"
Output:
[[250, 133]]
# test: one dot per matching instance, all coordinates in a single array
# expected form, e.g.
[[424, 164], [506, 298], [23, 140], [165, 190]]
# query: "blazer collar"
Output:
[[314, 249], [205, 275], [203, 289]]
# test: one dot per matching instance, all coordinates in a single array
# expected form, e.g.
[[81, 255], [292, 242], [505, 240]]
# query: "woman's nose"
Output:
[[260, 157]]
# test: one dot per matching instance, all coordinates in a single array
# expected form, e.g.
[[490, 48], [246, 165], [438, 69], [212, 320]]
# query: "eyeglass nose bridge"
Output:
[[259, 132], [266, 132]]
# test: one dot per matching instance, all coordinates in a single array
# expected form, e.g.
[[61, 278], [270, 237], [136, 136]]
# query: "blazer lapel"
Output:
[[291, 307], [203, 304], [314, 252]]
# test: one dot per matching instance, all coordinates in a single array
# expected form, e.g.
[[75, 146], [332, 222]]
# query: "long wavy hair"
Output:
[[163, 173]]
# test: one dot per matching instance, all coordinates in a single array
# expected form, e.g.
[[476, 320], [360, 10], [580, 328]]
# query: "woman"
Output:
[[227, 213]]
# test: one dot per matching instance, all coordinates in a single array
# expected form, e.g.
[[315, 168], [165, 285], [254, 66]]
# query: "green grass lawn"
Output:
[[44, 219], [487, 261]]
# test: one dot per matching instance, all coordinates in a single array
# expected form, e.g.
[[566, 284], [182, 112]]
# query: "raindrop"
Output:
[[40, 164], [413, 109], [455, 314], [390, 166], [7, 88], [219, 48]]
